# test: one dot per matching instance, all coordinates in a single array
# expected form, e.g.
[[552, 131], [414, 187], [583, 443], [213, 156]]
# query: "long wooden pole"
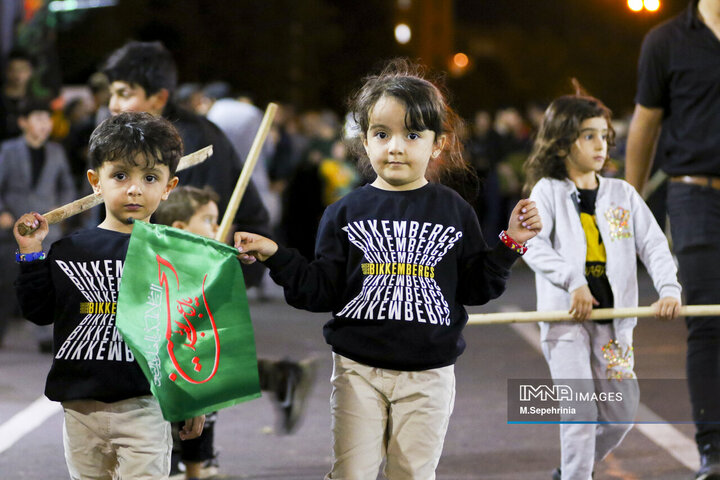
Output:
[[246, 173], [89, 201], [597, 314]]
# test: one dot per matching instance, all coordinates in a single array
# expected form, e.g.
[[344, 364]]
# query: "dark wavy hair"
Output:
[[148, 64], [559, 130], [427, 108], [125, 136]]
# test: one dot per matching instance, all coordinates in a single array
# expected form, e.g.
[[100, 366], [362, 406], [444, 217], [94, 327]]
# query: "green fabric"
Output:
[[183, 311]]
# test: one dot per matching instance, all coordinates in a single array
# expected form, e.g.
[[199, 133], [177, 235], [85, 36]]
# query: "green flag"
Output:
[[183, 312]]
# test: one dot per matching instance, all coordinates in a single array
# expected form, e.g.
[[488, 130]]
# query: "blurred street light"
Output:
[[635, 5], [402, 33], [652, 5], [460, 60], [639, 5]]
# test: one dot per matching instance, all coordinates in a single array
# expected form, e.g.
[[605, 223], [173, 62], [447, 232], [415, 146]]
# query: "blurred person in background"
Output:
[[338, 174], [34, 176], [143, 77], [484, 152], [515, 146], [11, 13], [240, 121], [18, 71], [290, 143], [303, 204], [189, 96], [677, 114]]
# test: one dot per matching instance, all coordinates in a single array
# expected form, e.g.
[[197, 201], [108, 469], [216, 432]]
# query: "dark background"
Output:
[[314, 52]]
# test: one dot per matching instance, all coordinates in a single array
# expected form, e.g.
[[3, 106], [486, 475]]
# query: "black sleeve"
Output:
[[35, 292], [483, 272], [653, 71], [315, 286]]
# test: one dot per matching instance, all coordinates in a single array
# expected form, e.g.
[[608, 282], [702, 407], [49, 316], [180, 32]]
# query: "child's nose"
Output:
[[134, 189], [396, 145]]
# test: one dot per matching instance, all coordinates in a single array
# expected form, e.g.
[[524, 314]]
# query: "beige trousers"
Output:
[[128, 439], [379, 413]]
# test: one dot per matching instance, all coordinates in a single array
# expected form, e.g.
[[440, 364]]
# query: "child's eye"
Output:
[[150, 178], [381, 135], [413, 136], [119, 176]]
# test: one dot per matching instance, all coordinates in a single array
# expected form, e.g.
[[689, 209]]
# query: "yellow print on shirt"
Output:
[[398, 269], [595, 247]]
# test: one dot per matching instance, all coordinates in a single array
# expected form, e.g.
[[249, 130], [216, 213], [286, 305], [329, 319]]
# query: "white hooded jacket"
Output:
[[628, 230]]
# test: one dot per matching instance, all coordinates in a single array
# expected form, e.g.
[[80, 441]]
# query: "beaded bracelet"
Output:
[[512, 244], [29, 257]]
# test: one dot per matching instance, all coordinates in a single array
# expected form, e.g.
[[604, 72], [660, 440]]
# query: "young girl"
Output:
[[395, 262], [585, 257]]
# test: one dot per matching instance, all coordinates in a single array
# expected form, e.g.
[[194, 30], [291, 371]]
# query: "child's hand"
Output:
[[524, 221], [33, 241], [667, 308], [581, 303], [254, 247], [193, 428]]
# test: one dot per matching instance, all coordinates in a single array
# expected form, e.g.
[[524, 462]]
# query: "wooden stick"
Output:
[[246, 173], [597, 314], [85, 203]]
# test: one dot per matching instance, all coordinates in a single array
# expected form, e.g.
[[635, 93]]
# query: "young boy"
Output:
[[34, 176], [113, 425], [196, 210]]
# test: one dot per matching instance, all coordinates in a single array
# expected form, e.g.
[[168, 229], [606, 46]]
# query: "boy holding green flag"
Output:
[[113, 425]]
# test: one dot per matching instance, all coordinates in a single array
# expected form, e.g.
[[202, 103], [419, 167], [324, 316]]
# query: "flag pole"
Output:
[[246, 173], [597, 314]]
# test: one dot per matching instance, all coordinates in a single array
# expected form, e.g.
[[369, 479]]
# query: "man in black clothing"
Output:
[[143, 77], [679, 92]]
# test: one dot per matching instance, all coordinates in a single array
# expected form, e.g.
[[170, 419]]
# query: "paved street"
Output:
[[479, 444]]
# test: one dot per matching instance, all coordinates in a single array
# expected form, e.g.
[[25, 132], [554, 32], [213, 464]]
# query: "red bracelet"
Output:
[[512, 244]]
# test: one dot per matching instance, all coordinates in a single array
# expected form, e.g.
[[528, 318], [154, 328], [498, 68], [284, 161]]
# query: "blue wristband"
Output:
[[29, 257]]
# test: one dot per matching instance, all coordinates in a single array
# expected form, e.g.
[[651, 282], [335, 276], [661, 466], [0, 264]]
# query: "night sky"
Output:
[[314, 52]]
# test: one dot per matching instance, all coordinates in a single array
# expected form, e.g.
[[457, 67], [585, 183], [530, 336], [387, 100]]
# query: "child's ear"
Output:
[[179, 224], [94, 179], [158, 100], [439, 145], [169, 187]]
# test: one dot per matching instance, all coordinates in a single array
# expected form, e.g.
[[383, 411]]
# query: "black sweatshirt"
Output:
[[76, 289], [395, 268]]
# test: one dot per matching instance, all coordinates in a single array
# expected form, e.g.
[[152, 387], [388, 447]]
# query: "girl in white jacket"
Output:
[[594, 228]]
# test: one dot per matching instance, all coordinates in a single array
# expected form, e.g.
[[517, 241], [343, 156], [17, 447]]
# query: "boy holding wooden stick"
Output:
[[113, 425]]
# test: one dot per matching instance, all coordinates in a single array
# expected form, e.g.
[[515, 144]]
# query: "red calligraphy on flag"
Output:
[[181, 332]]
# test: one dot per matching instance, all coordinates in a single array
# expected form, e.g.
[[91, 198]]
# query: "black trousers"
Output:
[[694, 213]]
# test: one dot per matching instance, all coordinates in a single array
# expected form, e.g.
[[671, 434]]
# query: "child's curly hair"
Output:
[[559, 130]]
